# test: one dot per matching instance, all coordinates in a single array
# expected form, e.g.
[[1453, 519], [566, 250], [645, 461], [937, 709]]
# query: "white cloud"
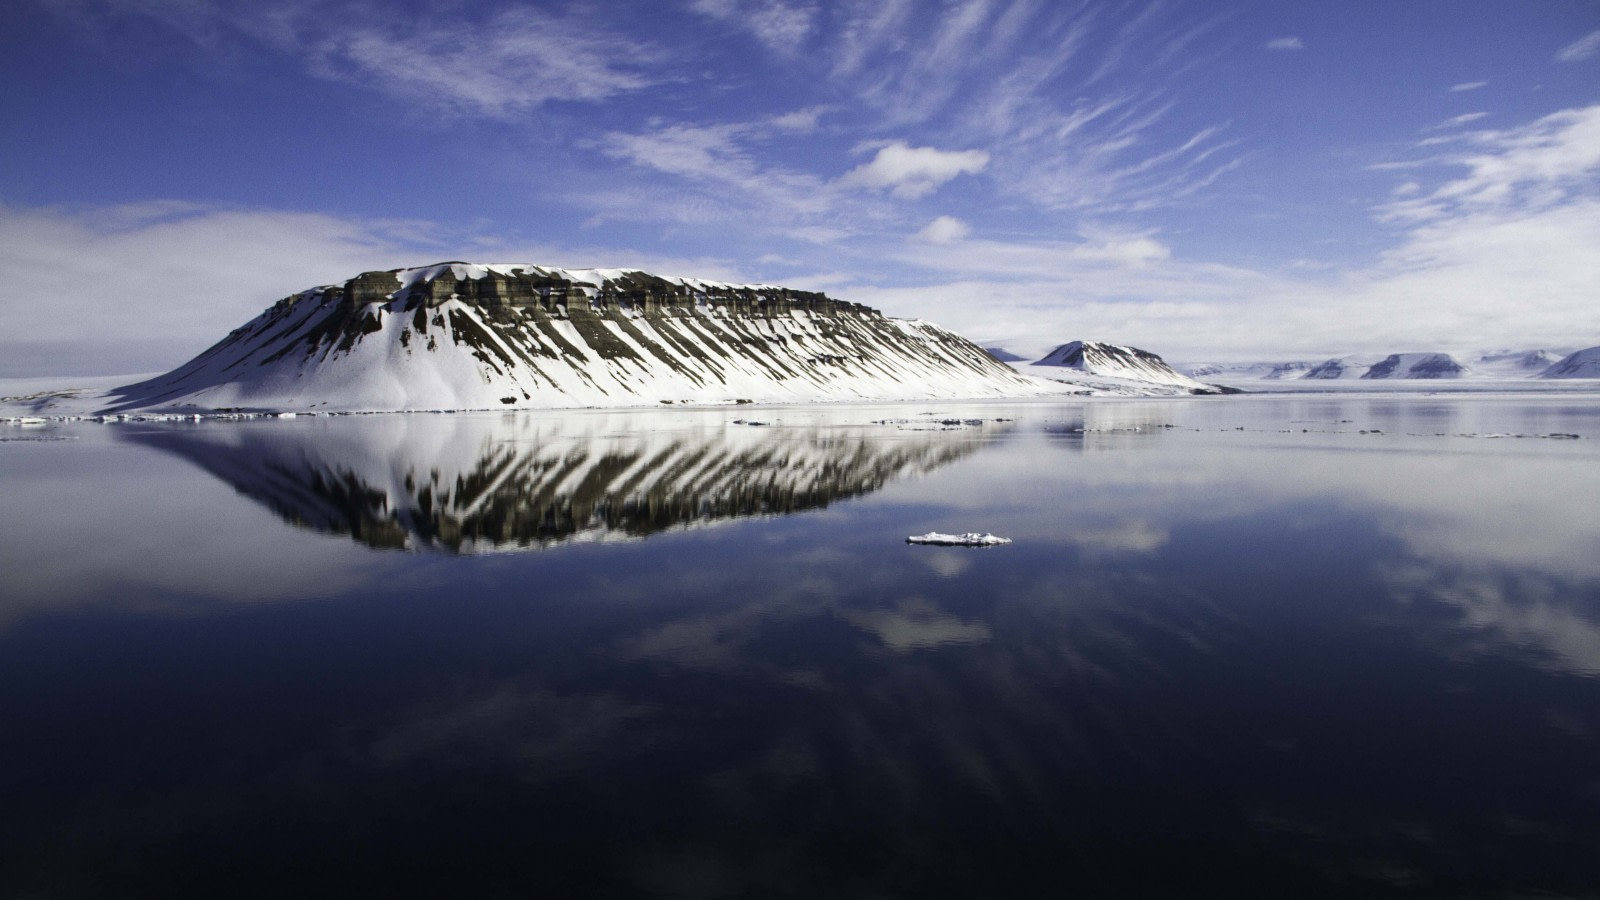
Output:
[[1463, 119], [1502, 250], [728, 182], [912, 172], [1515, 171], [1121, 249], [944, 230], [1285, 43], [519, 60], [781, 26], [801, 121], [1580, 49], [506, 64], [171, 278], [1468, 86]]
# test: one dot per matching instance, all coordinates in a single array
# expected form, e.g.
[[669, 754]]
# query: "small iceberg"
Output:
[[970, 539]]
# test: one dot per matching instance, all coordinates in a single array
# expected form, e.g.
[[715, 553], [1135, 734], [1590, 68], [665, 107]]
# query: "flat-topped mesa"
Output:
[[564, 293], [464, 336]]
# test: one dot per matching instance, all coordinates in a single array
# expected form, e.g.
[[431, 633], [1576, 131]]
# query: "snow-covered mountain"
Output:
[[463, 336], [1092, 361], [1582, 364]]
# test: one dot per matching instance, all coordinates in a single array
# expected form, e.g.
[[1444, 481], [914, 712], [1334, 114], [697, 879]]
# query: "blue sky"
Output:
[[1209, 180]]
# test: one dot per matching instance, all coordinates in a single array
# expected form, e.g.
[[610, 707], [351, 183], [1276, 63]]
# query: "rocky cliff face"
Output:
[[462, 336]]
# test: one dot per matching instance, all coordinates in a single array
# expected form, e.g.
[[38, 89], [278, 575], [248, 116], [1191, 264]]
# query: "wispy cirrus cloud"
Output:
[[1581, 49], [783, 26], [716, 175], [1285, 43], [520, 59], [1468, 86], [1458, 121], [495, 65], [1545, 164]]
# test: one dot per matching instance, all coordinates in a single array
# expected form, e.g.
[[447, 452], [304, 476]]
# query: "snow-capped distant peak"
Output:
[[1127, 364]]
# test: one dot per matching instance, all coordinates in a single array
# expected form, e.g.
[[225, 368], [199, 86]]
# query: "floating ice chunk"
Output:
[[970, 539]]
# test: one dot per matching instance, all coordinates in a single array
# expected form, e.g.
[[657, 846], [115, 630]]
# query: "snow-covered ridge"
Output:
[[464, 336], [475, 484]]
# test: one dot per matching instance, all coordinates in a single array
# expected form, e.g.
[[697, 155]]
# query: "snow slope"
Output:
[[463, 336], [1582, 364]]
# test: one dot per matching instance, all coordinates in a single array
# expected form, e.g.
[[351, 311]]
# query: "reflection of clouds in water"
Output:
[[915, 624], [103, 525], [1527, 611], [541, 734], [1123, 537], [945, 563]]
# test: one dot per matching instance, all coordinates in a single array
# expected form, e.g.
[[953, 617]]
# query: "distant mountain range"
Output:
[[459, 336], [1499, 364]]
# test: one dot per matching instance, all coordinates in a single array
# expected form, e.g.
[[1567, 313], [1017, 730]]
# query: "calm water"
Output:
[[1237, 644]]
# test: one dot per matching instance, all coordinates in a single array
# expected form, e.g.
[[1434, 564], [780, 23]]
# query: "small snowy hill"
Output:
[[463, 336], [1118, 365], [1582, 364]]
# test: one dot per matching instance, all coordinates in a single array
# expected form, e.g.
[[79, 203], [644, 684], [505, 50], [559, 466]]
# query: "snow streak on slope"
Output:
[[1127, 365], [1582, 364], [460, 336], [480, 483]]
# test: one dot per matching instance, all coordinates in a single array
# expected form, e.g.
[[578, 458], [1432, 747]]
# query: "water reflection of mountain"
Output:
[[466, 484]]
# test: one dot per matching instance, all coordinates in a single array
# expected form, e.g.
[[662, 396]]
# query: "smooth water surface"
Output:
[[1285, 646]]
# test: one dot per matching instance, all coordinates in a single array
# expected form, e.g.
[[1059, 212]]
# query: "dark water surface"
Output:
[[1301, 646]]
